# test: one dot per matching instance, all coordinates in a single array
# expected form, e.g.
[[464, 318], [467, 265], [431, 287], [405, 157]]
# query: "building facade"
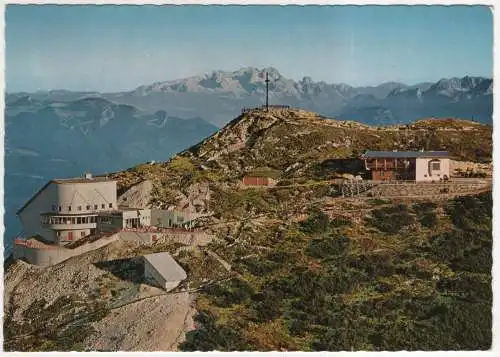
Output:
[[135, 218], [65, 210], [123, 218], [169, 219], [408, 165], [258, 181]]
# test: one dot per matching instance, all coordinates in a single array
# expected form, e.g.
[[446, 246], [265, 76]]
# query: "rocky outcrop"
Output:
[[463, 166], [195, 201], [138, 196]]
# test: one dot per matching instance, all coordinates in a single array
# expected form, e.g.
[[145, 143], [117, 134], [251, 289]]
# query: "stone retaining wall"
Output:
[[51, 255], [425, 189], [186, 238], [45, 255]]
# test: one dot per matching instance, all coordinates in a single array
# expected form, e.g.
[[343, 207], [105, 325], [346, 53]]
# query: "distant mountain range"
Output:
[[63, 133], [218, 96]]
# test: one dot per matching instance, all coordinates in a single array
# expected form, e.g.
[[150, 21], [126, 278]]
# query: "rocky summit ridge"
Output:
[[282, 138]]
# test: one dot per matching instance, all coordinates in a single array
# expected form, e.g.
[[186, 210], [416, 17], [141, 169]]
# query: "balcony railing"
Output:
[[68, 226], [160, 230]]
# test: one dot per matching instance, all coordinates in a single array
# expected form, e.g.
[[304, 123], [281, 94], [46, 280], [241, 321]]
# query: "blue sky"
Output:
[[113, 48]]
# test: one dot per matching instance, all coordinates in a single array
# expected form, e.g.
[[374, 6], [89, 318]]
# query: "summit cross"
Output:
[[267, 91]]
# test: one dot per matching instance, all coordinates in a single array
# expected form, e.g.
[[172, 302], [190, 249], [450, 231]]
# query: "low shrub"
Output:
[[227, 293], [391, 219], [316, 222], [328, 247], [428, 219], [267, 305], [421, 207], [470, 212], [340, 221], [260, 267], [210, 336]]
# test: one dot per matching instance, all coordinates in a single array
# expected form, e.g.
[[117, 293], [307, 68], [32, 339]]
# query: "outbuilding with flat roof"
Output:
[[162, 270]]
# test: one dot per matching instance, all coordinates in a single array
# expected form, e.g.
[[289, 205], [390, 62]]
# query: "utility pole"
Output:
[[267, 92]]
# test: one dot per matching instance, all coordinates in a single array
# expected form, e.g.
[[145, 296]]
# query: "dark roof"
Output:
[[33, 197], [82, 180], [256, 176], [63, 181], [404, 154]]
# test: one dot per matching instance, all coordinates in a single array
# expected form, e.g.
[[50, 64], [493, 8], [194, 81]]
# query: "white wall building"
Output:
[[65, 210], [433, 168], [162, 270], [114, 221], [408, 165], [126, 217], [166, 219]]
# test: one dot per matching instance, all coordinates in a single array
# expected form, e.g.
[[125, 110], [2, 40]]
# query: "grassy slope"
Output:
[[413, 278]]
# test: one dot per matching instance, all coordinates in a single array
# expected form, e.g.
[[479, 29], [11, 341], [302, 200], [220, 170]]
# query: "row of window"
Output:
[[129, 220], [70, 235], [107, 220], [79, 208], [69, 220]]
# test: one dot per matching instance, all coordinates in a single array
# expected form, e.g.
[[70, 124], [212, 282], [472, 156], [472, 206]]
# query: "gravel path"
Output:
[[156, 324]]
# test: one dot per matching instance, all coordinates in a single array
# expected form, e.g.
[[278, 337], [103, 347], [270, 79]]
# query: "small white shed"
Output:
[[162, 270]]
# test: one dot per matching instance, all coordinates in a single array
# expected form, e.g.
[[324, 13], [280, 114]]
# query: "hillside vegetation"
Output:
[[409, 277], [293, 267], [379, 275], [375, 275]]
